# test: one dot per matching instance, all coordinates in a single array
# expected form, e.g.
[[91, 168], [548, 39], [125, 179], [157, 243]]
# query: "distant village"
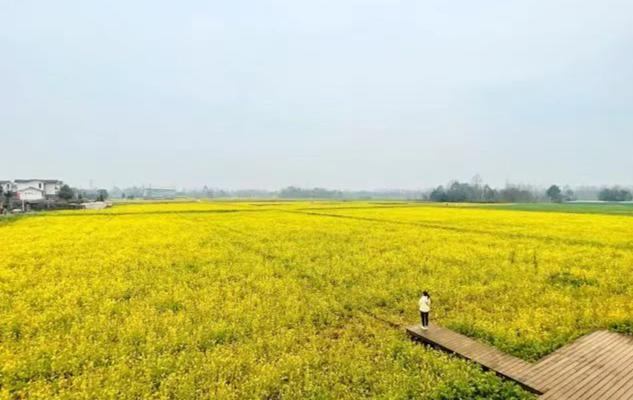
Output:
[[24, 195]]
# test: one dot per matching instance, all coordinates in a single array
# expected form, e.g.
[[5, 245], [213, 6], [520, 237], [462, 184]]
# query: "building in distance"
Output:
[[33, 190], [159, 194]]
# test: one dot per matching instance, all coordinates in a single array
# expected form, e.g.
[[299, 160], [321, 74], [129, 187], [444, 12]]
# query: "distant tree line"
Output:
[[615, 194], [83, 195], [455, 191], [461, 192]]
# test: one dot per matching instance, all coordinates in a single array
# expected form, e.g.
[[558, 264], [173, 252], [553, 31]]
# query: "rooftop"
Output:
[[37, 180]]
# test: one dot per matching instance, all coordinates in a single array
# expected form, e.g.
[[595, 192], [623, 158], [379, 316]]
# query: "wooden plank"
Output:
[[620, 356], [480, 353], [582, 369], [554, 360], [599, 354], [520, 372], [581, 341], [599, 385], [624, 376], [567, 383], [606, 369], [564, 387], [454, 342], [569, 368], [588, 378], [623, 392], [570, 360], [564, 354], [596, 366]]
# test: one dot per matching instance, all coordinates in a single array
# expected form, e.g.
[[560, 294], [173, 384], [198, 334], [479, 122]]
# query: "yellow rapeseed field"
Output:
[[295, 300]]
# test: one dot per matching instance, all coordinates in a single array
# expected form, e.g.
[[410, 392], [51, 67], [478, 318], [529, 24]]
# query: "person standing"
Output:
[[425, 309]]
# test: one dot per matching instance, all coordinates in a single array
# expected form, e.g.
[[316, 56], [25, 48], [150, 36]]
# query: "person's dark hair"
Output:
[[425, 293]]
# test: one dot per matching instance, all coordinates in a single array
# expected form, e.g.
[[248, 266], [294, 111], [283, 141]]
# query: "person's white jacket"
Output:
[[425, 304]]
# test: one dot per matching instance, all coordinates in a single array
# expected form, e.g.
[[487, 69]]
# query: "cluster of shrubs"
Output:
[[615, 194]]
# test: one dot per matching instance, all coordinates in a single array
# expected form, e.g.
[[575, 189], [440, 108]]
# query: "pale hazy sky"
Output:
[[337, 93]]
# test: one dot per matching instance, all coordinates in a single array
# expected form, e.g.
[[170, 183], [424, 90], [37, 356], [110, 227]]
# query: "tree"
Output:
[[489, 194], [476, 184], [514, 194], [6, 199], [555, 194], [102, 195], [438, 194], [569, 195], [66, 193]]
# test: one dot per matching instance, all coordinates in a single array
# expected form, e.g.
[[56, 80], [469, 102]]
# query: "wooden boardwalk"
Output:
[[597, 366]]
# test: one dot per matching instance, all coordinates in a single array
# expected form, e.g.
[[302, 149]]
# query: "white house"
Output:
[[37, 189], [31, 194]]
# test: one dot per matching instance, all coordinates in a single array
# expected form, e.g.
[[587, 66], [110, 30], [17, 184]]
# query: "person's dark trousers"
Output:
[[425, 318]]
